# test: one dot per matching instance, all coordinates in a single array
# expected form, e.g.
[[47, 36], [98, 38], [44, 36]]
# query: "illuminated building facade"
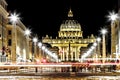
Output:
[[70, 39], [8, 50], [3, 35], [21, 52]]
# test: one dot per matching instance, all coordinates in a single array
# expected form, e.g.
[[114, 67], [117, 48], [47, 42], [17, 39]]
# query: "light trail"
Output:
[[104, 64], [41, 65], [100, 59]]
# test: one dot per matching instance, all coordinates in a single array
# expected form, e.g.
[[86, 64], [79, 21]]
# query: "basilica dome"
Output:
[[70, 24], [70, 28]]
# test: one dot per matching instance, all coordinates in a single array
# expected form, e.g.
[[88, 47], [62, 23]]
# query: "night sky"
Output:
[[45, 16]]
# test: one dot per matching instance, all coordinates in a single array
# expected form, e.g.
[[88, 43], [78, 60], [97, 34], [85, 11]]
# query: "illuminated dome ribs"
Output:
[[70, 28]]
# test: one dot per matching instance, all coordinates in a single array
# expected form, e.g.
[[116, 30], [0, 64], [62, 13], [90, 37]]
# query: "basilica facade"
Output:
[[70, 40]]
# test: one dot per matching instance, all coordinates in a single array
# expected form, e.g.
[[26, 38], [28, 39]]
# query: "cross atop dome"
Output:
[[70, 13]]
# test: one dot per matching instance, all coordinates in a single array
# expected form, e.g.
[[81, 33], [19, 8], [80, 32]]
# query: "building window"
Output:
[[9, 32], [9, 42]]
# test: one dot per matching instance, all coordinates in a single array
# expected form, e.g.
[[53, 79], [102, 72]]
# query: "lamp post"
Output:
[[14, 18], [103, 31], [98, 49], [27, 33], [35, 41], [94, 51], [43, 48], [40, 51], [113, 17]]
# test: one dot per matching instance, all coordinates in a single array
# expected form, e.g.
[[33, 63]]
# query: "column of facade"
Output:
[[63, 53], [75, 53], [66, 53], [72, 54]]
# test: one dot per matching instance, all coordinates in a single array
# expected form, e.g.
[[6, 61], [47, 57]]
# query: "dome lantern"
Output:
[[70, 27], [70, 14]]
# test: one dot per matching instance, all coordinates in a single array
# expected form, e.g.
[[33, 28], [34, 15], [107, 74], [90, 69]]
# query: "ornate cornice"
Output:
[[3, 12], [5, 2]]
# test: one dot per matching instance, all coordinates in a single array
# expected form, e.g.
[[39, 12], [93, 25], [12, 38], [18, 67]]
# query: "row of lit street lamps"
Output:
[[14, 19], [112, 17]]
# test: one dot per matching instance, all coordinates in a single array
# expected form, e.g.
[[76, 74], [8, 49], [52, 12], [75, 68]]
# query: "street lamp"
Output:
[[35, 41], [40, 51], [27, 34], [94, 50], [98, 50], [113, 17], [43, 48], [103, 31], [14, 18]]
